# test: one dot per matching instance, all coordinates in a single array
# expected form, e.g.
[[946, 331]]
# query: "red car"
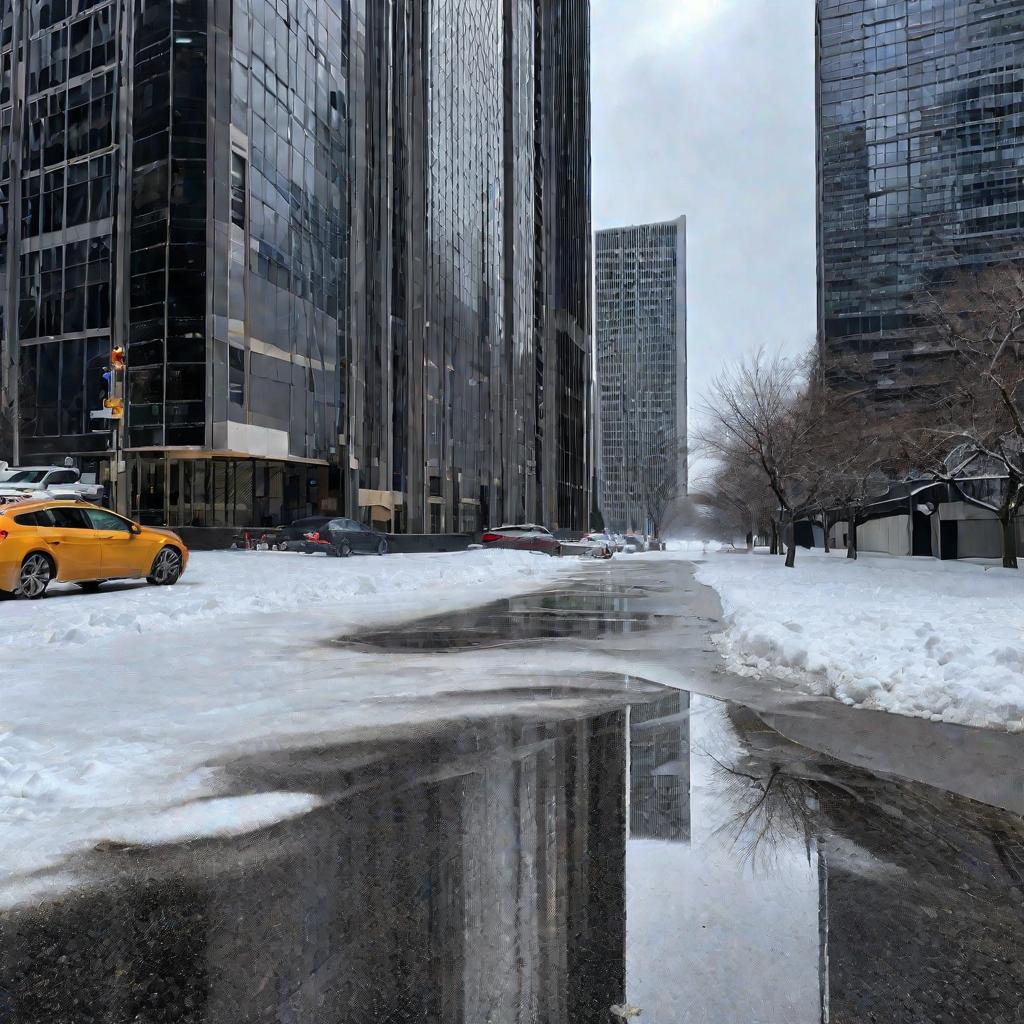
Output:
[[528, 537]]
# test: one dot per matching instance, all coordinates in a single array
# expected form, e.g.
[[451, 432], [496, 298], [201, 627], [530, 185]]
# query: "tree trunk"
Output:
[[790, 555], [1009, 539], [1006, 514], [750, 540], [824, 526], [851, 535], [773, 548]]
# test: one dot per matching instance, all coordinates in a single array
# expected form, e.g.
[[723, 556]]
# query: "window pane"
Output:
[[102, 520], [70, 518]]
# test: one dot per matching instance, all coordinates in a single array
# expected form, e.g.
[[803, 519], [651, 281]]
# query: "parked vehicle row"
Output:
[[613, 542], [341, 537], [44, 541], [331, 535]]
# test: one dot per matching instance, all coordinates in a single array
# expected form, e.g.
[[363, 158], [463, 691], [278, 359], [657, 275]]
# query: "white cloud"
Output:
[[706, 107], [640, 26]]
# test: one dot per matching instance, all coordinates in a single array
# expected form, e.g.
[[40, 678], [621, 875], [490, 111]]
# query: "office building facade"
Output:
[[472, 207], [640, 345], [344, 244], [920, 129]]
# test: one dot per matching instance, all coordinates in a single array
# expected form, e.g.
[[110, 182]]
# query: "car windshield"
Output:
[[26, 476]]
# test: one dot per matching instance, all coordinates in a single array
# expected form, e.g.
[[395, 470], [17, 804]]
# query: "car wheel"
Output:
[[382, 548], [91, 586], [166, 568], [34, 578]]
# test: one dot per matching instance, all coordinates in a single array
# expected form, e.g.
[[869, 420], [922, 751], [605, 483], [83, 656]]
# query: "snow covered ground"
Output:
[[941, 640], [227, 584], [118, 710]]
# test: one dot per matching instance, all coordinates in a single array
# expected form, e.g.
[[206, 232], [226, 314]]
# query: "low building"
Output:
[[930, 520]]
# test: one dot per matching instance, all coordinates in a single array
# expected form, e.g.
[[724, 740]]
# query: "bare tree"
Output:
[[977, 416], [765, 413], [660, 480], [736, 498], [865, 455]]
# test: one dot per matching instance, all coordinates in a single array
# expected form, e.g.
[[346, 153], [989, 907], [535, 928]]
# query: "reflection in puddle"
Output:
[[659, 768], [583, 614], [673, 854], [713, 937], [474, 876], [813, 891]]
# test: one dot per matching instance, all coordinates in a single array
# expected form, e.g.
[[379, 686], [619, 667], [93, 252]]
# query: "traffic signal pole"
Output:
[[114, 402]]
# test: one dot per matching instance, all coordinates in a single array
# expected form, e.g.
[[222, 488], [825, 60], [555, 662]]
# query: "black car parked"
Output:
[[346, 536], [292, 536]]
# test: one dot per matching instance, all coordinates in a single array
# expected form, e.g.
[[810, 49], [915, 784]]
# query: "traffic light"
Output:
[[117, 358]]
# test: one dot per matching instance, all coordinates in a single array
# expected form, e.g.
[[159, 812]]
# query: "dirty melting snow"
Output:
[[119, 711], [939, 640]]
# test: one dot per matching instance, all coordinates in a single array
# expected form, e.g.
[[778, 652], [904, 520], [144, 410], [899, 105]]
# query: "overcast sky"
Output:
[[706, 107]]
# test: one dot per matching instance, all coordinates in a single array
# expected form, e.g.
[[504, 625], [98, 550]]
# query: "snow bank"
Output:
[[940, 640], [220, 584], [121, 711]]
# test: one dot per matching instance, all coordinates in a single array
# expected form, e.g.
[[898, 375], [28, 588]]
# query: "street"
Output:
[[540, 808], [511, 513]]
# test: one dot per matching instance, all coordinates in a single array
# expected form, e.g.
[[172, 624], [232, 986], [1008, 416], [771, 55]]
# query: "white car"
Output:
[[21, 482], [614, 540], [600, 540]]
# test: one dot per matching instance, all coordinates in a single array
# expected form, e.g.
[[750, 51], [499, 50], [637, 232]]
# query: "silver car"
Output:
[[41, 481]]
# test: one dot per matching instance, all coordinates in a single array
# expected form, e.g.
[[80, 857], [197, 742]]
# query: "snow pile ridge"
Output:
[[940, 640], [223, 584]]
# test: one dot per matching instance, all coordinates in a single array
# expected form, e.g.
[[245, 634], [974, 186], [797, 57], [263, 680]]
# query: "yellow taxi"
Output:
[[42, 541]]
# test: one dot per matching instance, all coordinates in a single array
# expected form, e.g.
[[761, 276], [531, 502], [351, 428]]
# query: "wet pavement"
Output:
[[575, 836], [583, 612]]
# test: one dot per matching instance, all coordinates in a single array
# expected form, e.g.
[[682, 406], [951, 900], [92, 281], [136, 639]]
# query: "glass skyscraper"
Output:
[[640, 342], [471, 332], [345, 244], [920, 164]]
